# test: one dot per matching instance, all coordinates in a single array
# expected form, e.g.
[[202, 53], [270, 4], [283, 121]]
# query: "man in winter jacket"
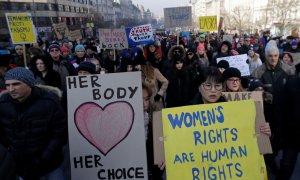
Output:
[[33, 126], [274, 75]]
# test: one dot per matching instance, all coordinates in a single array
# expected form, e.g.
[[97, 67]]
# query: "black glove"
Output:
[[157, 97]]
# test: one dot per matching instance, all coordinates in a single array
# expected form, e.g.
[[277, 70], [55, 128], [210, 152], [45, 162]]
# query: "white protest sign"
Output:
[[113, 39], [238, 62], [178, 16], [106, 127]]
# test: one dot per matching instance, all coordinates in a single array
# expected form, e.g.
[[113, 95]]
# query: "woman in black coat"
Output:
[[42, 68], [178, 88]]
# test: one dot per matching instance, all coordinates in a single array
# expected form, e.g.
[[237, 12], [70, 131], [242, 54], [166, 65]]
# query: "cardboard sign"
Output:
[[228, 37], [61, 30], [21, 28], [238, 62], [113, 39], [212, 141], [178, 16], [262, 140], [158, 138], [140, 35], [106, 127], [76, 34], [208, 23]]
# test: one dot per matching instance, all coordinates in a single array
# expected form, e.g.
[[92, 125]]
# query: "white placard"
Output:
[[238, 62], [106, 127]]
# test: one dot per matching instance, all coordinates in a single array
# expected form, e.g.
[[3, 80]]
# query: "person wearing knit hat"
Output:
[[86, 68], [20, 74], [222, 65], [232, 80], [34, 124], [65, 52], [54, 47], [294, 47], [79, 55]]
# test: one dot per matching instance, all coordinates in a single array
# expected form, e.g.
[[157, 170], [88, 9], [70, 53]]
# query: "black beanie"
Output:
[[223, 64], [231, 72], [86, 66]]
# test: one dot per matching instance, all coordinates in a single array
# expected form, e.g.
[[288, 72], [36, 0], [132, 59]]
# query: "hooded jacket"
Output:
[[220, 54]]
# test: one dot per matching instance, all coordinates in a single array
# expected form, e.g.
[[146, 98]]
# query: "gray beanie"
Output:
[[20, 74]]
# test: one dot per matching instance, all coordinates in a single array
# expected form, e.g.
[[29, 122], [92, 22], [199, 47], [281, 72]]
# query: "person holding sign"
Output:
[[210, 85], [274, 74], [232, 80]]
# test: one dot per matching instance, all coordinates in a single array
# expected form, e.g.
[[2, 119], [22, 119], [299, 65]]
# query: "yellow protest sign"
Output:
[[208, 23], [21, 28], [212, 141]]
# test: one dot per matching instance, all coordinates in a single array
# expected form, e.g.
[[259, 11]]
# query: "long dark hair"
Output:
[[47, 62]]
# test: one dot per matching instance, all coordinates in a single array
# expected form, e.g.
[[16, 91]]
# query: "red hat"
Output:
[[64, 49]]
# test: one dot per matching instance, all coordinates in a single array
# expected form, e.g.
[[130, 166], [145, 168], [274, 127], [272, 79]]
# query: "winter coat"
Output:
[[219, 54], [274, 81], [7, 165], [34, 131], [178, 88], [291, 121], [198, 99], [64, 68], [52, 78]]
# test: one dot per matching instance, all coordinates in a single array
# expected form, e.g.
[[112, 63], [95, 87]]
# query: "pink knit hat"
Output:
[[64, 49]]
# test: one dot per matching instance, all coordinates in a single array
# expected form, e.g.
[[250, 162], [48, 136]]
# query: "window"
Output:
[[81, 10], [42, 6], [3, 5], [67, 8], [60, 7], [14, 6], [72, 9], [77, 9]]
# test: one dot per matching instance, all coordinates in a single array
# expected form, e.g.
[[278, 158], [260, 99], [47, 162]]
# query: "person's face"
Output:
[[83, 73], [129, 68], [111, 53], [179, 66], [138, 67], [294, 47], [233, 84], [152, 48], [66, 53], [89, 51], [251, 53], [241, 42], [202, 39], [36, 45], [17, 89], [287, 60], [146, 100], [19, 51], [256, 48], [272, 58], [55, 53], [210, 91], [190, 55], [97, 64], [247, 42], [40, 65], [224, 48], [80, 53]]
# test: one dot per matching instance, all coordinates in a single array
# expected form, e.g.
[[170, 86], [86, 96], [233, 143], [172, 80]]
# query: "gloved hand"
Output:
[[157, 97]]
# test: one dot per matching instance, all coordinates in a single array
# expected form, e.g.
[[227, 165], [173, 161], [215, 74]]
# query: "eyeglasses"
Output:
[[190, 53], [208, 86], [234, 80], [54, 50]]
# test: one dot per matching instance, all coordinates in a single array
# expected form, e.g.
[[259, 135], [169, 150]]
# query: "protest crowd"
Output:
[[177, 70]]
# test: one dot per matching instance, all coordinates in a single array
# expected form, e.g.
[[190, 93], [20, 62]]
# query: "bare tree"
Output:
[[241, 18], [283, 12]]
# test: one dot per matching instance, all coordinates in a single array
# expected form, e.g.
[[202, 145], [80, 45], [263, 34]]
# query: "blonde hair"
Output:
[[226, 89], [148, 71]]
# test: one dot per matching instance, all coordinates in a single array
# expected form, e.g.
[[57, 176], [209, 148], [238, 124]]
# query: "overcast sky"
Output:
[[157, 6]]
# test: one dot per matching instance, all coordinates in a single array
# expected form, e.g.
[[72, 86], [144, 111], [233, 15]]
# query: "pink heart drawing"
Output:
[[106, 127]]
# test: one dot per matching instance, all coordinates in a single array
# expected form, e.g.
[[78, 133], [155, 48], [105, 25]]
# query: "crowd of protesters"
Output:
[[174, 73]]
